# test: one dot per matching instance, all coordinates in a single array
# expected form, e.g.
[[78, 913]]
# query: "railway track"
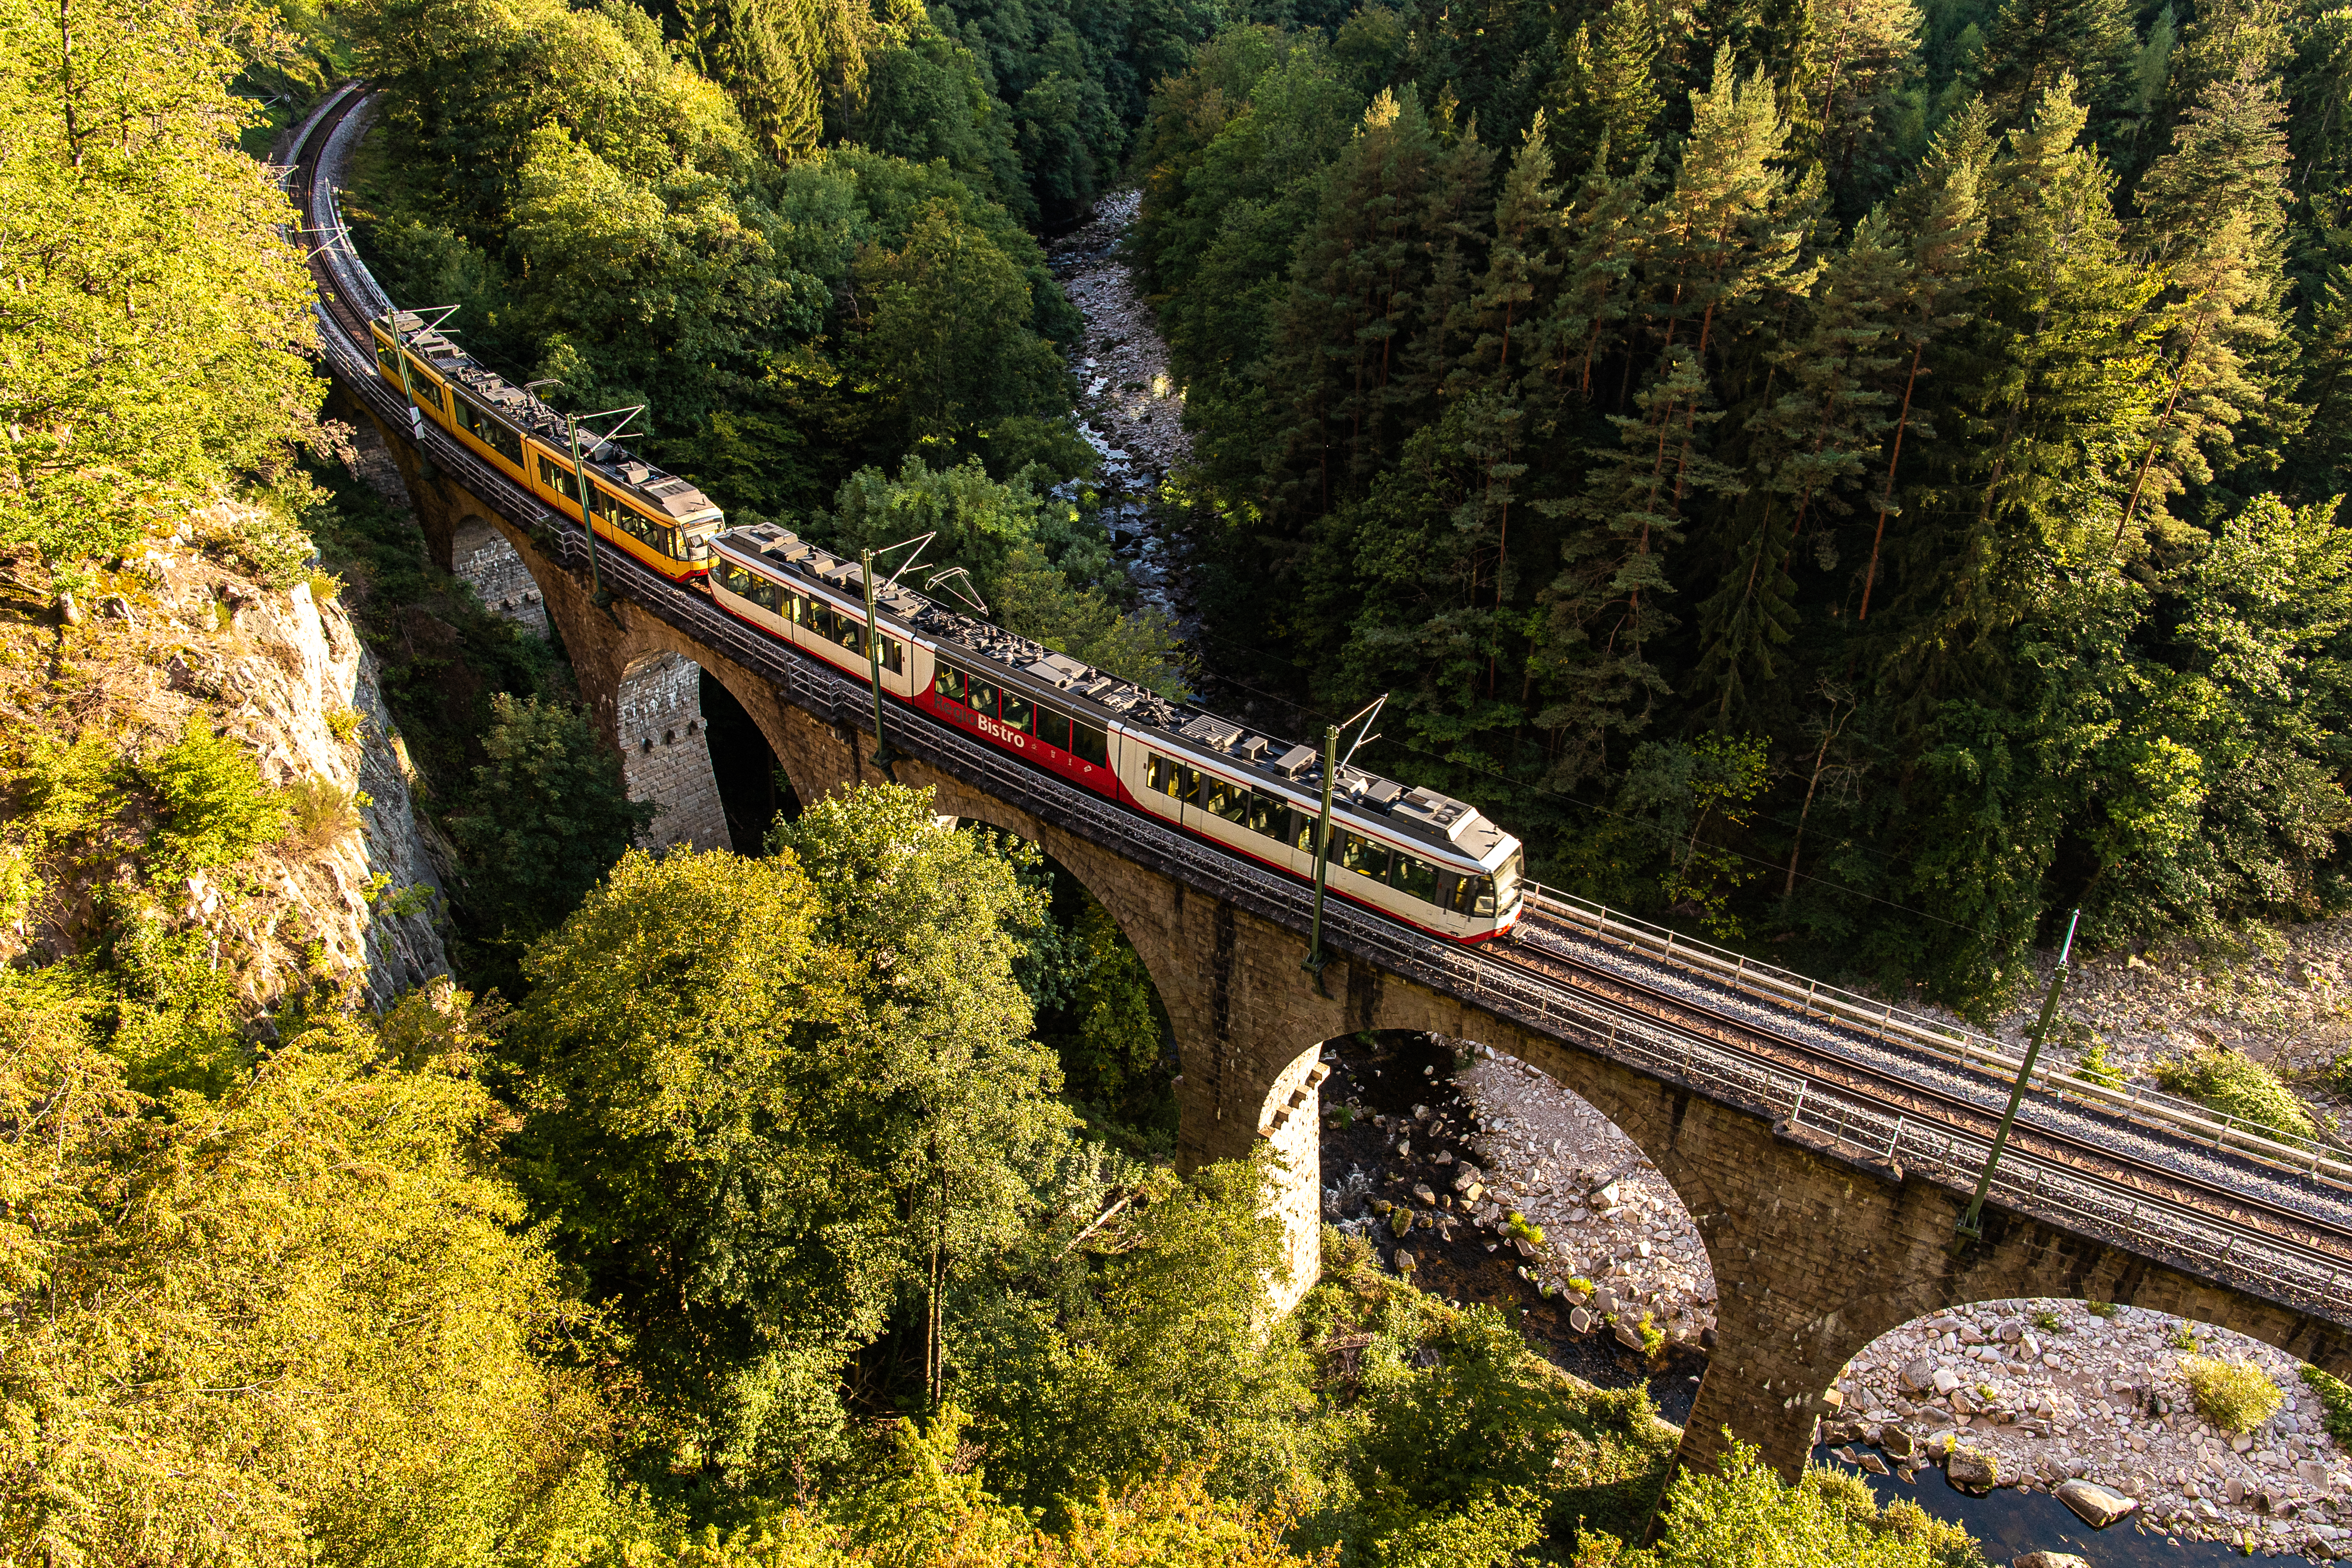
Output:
[[2235, 1208], [1545, 946]]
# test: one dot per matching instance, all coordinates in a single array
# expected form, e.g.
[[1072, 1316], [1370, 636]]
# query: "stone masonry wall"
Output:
[[666, 753], [481, 556]]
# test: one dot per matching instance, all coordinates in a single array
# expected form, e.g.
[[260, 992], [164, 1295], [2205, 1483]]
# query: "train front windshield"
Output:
[[1507, 882]]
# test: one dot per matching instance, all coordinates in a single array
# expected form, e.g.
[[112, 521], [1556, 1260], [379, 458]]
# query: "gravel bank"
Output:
[[2052, 1391]]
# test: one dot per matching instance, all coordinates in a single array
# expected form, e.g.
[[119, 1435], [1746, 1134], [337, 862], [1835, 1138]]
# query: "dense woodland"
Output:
[[1834, 475]]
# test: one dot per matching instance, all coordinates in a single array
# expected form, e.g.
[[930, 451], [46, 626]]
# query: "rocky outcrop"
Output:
[[349, 896]]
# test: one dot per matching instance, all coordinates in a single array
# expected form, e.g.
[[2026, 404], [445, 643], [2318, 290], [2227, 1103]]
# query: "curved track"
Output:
[[2140, 1187]]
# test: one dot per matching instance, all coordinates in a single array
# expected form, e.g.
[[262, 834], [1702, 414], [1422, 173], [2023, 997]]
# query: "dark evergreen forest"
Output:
[[1854, 477]]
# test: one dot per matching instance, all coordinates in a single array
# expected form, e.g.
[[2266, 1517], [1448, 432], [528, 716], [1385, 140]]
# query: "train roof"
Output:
[[1180, 727], [623, 469]]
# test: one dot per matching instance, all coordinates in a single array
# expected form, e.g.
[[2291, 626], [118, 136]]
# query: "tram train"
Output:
[[658, 519], [1418, 857]]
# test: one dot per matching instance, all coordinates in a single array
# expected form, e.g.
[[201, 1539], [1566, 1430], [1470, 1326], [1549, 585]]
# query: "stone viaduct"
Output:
[[1815, 1251]]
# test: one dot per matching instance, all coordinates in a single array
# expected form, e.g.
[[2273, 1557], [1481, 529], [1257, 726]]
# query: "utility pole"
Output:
[[596, 594], [1332, 762], [1315, 957], [1970, 1226], [883, 753]]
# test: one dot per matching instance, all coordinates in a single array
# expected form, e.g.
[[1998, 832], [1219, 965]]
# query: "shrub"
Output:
[[2046, 1320], [2236, 1395], [343, 723], [2337, 1398], [2100, 1308], [1654, 1339], [217, 809], [2092, 1067], [2183, 1337], [2236, 1085], [323, 814]]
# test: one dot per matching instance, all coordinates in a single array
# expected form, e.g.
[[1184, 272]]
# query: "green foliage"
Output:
[[545, 818], [2236, 1085], [321, 813], [1745, 1515], [2232, 1393], [217, 809], [157, 324], [2335, 1398], [2101, 1310], [782, 1092], [325, 1231], [2092, 1066]]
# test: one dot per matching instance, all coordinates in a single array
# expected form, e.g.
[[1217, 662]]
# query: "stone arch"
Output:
[[482, 556]]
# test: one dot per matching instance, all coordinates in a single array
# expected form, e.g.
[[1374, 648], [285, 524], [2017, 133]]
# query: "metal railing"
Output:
[[1964, 1047], [2098, 1207]]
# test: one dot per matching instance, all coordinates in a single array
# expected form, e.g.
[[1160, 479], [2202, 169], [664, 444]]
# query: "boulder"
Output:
[[1972, 1469], [2095, 1505], [1405, 1263], [1580, 1320], [1629, 1336], [1946, 1380], [2048, 1560], [1898, 1441], [1873, 1463], [1421, 1190], [1918, 1377]]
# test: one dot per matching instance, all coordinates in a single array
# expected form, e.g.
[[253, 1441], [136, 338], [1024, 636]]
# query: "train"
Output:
[[1421, 859], [661, 522]]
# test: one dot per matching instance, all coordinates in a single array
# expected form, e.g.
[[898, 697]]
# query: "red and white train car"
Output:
[[1432, 862]]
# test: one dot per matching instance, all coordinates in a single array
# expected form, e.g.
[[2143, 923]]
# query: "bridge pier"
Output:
[[1815, 1253]]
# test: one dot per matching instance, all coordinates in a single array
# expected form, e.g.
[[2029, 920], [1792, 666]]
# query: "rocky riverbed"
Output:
[[1129, 406], [2038, 1393], [1418, 1159]]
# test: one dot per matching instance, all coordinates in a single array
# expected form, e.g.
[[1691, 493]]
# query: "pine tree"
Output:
[[2212, 211], [777, 58], [1804, 448], [2060, 397], [1513, 295], [2035, 44], [1865, 51], [1357, 271], [1607, 90], [1939, 210], [1603, 238]]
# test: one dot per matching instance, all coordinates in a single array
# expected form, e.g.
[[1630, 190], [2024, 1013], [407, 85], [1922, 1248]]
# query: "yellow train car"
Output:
[[656, 518]]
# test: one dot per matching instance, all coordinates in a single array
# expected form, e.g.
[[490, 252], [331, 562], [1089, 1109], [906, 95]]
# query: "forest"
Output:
[[1848, 477]]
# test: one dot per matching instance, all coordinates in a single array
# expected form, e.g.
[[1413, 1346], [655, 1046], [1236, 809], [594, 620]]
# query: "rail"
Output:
[[1967, 1048], [2087, 1204]]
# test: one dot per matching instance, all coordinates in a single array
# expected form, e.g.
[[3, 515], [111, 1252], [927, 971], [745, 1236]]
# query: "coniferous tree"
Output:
[[1865, 51], [1940, 212], [2212, 212], [1806, 446], [2035, 44], [777, 58], [1607, 90]]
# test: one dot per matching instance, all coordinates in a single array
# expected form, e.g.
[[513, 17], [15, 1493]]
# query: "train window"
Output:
[[734, 579], [1219, 798], [769, 596], [608, 505], [1413, 876], [383, 356], [491, 433], [562, 481], [1162, 776], [850, 634], [1017, 712], [796, 609], [1449, 891], [1053, 728], [1366, 858], [1188, 787], [426, 391], [982, 696], [1301, 833], [1266, 813], [894, 656], [1089, 744], [1482, 895], [947, 681], [1506, 880]]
